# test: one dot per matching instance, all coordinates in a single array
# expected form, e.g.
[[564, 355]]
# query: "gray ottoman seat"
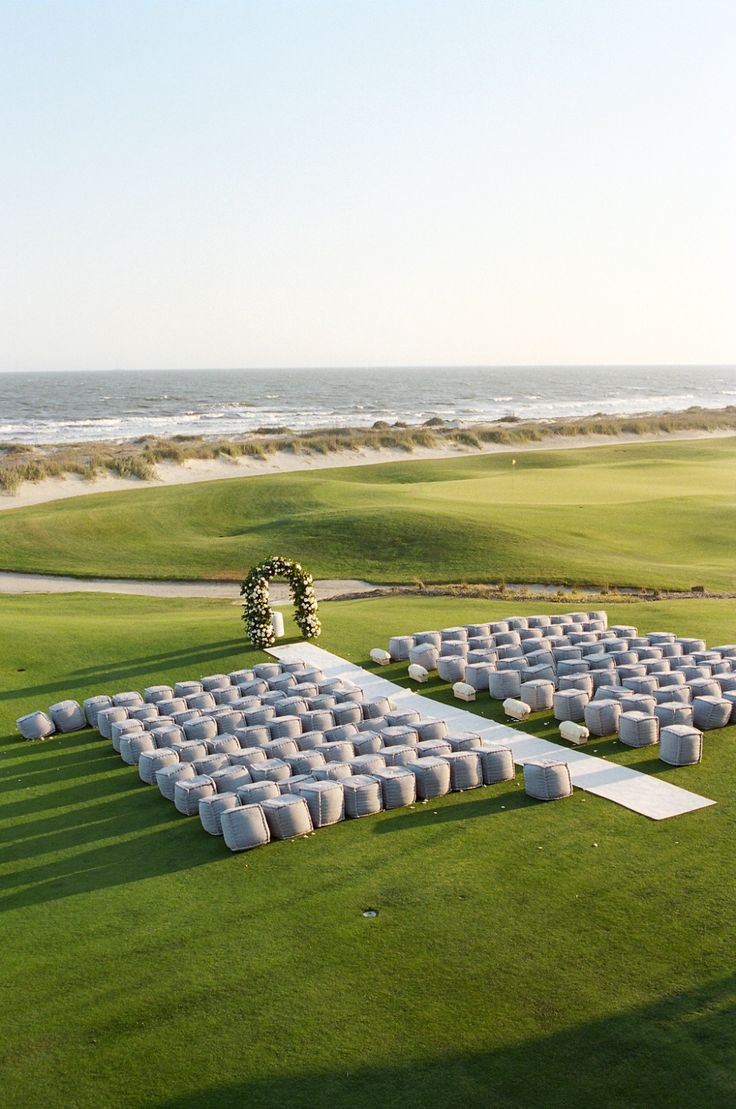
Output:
[[465, 770], [272, 770], [376, 709], [677, 693], [363, 795], [451, 668], [339, 751], [341, 732], [398, 647], [332, 772], [547, 779], [497, 764], [171, 705], [539, 695], [325, 800], [680, 745], [601, 717], [245, 827], [367, 764], [703, 687], [129, 699], [288, 727], [711, 712], [210, 763], [215, 681], [583, 682], [168, 776], [453, 648], [107, 717], [504, 683], [402, 754], [309, 741], [476, 674], [35, 725], [211, 810], [672, 712], [229, 722], [646, 685], [238, 676], [183, 689], [431, 729], [119, 728], [398, 786], [183, 717], [569, 704], [432, 777], [349, 712], [638, 702], [200, 729], [260, 714], [304, 762], [93, 705], [638, 729], [317, 720], [426, 748], [252, 793], [229, 779], [674, 678], [189, 791], [424, 654], [287, 816], [463, 741], [730, 696], [255, 735], [200, 701], [223, 744], [280, 748], [400, 735], [151, 761], [247, 756], [133, 745], [190, 750], [367, 743], [144, 713]]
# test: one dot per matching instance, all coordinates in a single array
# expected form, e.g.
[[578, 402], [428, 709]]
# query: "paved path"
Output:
[[57, 583], [643, 793]]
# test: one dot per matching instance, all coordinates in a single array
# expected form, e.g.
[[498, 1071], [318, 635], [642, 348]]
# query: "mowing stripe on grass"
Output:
[[642, 793]]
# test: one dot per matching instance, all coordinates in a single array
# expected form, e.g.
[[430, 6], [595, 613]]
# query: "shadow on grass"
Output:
[[424, 816], [127, 669], [676, 1053]]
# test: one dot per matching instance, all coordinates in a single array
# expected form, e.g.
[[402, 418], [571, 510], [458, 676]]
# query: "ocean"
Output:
[[58, 407]]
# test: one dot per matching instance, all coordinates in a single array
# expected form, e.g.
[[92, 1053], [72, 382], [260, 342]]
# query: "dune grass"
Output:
[[524, 955], [654, 515]]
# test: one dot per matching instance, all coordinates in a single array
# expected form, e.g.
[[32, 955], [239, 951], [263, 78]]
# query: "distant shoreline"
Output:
[[38, 474]]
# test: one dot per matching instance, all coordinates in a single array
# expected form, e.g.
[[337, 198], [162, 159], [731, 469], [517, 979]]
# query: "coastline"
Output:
[[193, 470]]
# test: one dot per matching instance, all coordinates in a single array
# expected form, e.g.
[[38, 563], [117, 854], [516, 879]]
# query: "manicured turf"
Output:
[[657, 515], [524, 954]]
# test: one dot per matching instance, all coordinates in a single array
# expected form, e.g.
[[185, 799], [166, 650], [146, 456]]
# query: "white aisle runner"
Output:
[[643, 793]]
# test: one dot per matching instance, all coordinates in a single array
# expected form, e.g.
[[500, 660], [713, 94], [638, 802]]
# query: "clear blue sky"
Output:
[[354, 182]]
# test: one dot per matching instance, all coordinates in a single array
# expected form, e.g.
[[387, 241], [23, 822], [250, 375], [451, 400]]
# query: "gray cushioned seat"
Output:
[[190, 750], [107, 717], [189, 791], [252, 793], [703, 687], [547, 779], [672, 712], [223, 745], [212, 808], [280, 748], [465, 770], [539, 695], [338, 751], [638, 702], [398, 786], [424, 654], [453, 649], [426, 748], [432, 637], [133, 745], [569, 704], [255, 735], [431, 729], [341, 732], [638, 729], [229, 779], [601, 717], [332, 772], [201, 728], [504, 683], [463, 741], [348, 712], [210, 763], [287, 816], [325, 800], [398, 647], [363, 795], [247, 756], [184, 689], [304, 762], [92, 705], [183, 717], [403, 718], [288, 727], [400, 755], [35, 725], [583, 682], [171, 705], [309, 741], [451, 668], [144, 713], [229, 722], [400, 735], [261, 714], [272, 770], [128, 699], [168, 776], [367, 764], [119, 728], [291, 785], [476, 674], [367, 743], [245, 828], [432, 777], [317, 721], [497, 764], [711, 712], [151, 761], [200, 701], [678, 693], [680, 745]]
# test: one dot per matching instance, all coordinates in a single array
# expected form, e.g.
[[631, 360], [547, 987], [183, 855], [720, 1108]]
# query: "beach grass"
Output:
[[649, 515], [524, 954]]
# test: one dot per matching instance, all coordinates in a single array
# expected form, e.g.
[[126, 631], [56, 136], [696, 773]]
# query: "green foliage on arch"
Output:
[[257, 610]]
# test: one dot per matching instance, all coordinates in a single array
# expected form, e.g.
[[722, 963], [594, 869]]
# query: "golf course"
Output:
[[523, 954], [655, 515]]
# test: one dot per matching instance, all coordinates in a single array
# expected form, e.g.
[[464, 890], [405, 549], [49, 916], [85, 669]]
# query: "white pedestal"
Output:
[[277, 623]]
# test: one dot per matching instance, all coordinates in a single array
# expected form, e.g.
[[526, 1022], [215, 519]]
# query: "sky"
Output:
[[270, 183]]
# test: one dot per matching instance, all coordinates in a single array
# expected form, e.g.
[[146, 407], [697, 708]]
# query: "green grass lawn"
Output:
[[561, 955], [657, 515]]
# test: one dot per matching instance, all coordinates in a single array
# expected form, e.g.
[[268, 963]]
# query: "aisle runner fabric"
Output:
[[642, 793]]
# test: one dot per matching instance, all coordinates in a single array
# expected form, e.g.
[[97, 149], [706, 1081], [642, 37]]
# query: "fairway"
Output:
[[524, 954], [654, 515]]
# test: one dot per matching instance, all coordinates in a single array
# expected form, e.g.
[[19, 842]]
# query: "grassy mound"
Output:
[[658, 515], [524, 954]]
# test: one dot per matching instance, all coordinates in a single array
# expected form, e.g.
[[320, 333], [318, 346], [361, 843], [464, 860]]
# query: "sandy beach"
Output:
[[220, 469]]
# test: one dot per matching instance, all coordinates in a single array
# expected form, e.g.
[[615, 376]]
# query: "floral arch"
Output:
[[257, 610]]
